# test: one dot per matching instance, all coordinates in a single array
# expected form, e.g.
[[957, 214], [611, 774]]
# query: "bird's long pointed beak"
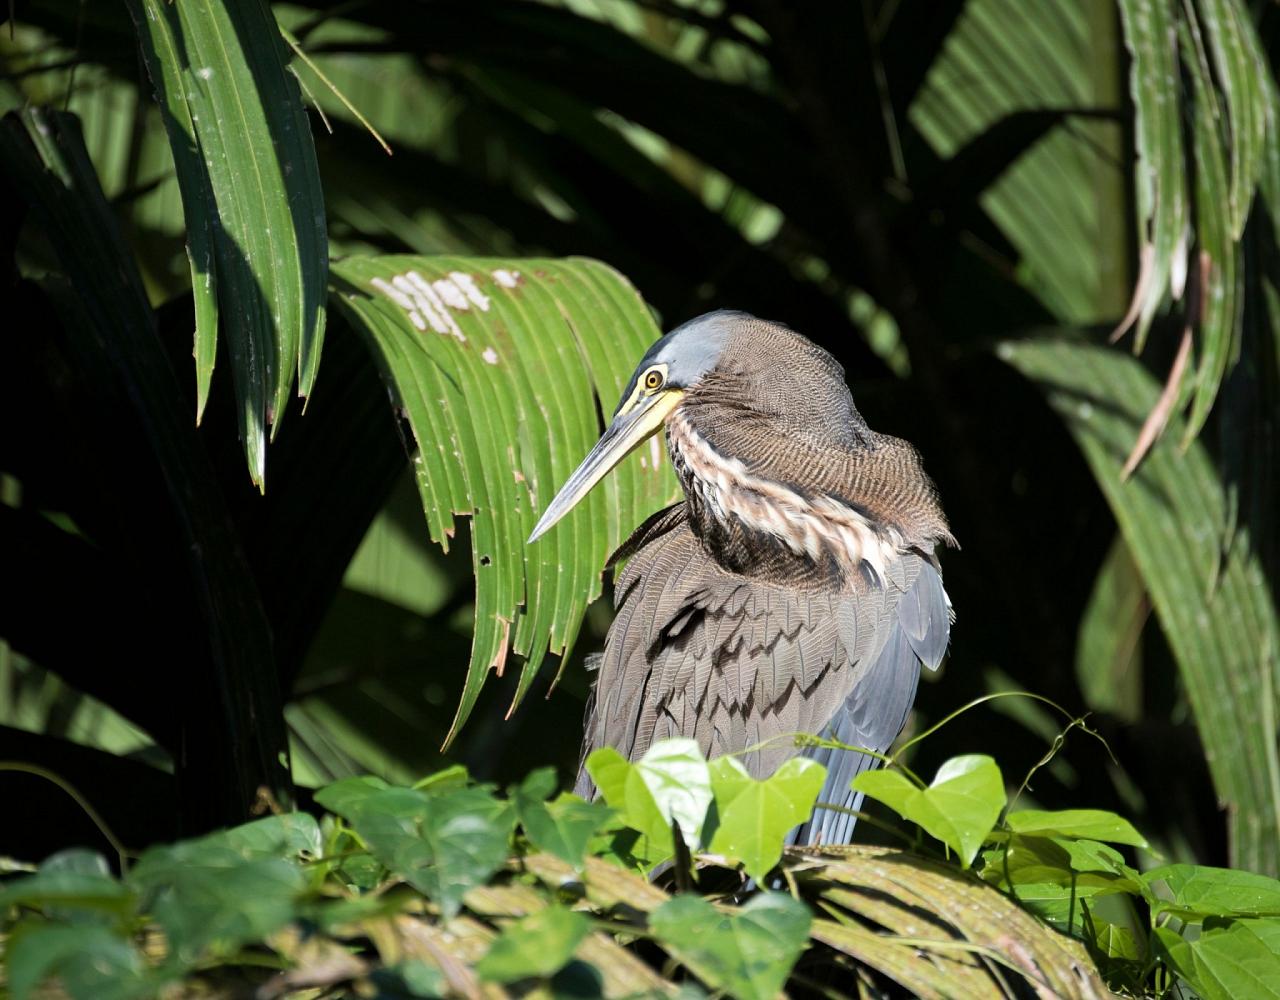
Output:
[[631, 425]]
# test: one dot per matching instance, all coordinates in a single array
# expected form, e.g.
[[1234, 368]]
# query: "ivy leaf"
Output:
[[677, 776], [1200, 891], [1052, 876], [669, 783], [1088, 824], [754, 817], [562, 827], [746, 953], [624, 790], [538, 945], [728, 779], [442, 844], [1230, 958], [959, 807]]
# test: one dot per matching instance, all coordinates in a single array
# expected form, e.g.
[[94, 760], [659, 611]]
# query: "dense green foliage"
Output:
[[967, 202], [444, 888]]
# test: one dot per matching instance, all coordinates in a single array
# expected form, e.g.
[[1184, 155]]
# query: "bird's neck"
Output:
[[752, 524]]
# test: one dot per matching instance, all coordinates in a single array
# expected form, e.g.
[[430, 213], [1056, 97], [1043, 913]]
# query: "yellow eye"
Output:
[[653, 379]]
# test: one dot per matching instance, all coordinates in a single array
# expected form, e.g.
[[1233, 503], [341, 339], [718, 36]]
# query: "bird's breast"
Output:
[[744, 518]]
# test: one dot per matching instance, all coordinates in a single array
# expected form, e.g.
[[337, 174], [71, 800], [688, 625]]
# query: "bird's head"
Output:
[[672, 366], [763, 368]]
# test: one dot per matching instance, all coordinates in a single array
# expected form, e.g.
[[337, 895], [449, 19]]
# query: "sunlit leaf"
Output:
[[1054, 876], [1230, 959], [251, 188], [959, 807], [625, 790], [546, 345], [1197, 891], [670, 783], [1092, 824], [754, 817]]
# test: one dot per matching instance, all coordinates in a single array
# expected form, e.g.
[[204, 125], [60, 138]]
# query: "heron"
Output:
[[796, 589]]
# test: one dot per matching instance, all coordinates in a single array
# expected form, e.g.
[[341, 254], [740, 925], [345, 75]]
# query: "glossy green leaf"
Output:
[[1197, 891], [1229, 960], [1054, 877], [546, 345], [540, 944], [959, 807], [670, 783], [1209, 591], [1092, 824], [562, 827], [676, 774], [625, 791], [747, 953], [250, 187], [754, 817]]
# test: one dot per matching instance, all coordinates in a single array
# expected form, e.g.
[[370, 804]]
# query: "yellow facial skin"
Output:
[[651, 381], [642, 414]]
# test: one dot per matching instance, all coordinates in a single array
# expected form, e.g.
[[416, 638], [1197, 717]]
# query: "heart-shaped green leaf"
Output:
[[1230, 958], [1198, 891], [755, 816], [747, 953], [669, 783], [959, 807], [1090, 824], [442, 844], [562, 827]]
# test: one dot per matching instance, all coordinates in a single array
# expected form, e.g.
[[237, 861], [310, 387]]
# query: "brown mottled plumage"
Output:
[[794, 590]]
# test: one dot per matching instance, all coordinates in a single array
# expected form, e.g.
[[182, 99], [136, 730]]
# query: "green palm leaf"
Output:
[[251, 194], [502, 369], [1206, 581]]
